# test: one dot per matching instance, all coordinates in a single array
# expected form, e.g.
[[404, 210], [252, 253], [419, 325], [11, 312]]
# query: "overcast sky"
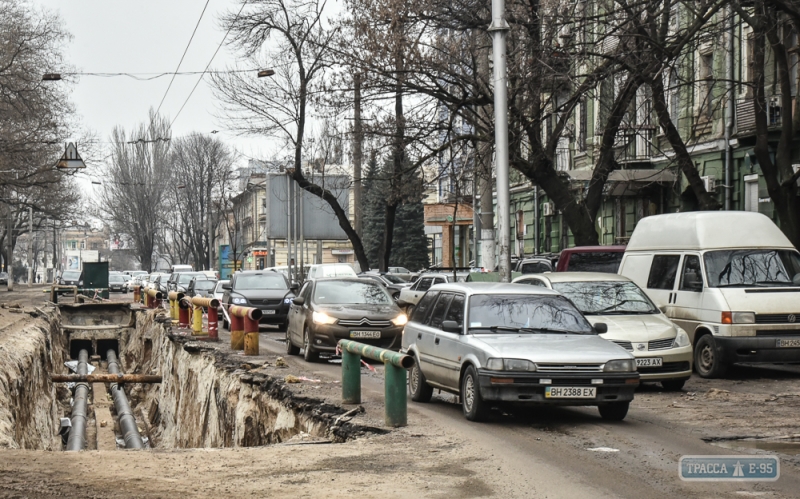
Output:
[[148, 36]]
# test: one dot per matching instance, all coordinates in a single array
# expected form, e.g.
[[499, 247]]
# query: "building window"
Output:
[[94, 246], [751, 193], [707, 85], [583, 118], [674, 97], [83, 245]]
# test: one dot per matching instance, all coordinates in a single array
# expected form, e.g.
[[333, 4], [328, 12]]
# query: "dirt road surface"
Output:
[[538, 453]]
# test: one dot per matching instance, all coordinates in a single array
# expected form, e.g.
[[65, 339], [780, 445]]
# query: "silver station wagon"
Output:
[[496, 343]]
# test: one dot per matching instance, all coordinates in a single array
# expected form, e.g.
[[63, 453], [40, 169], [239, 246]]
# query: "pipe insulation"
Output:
[[127, 422], [77, 434]]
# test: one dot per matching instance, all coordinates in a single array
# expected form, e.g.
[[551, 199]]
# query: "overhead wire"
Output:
[[209, 63], [182, 56]]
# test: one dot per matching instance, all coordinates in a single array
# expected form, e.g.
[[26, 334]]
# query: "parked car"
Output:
[[500, 343], [179, 281], [3, 277], [71, 278], [265, 290], [127, 285], [161, 284], [321, 270], [663, 351], [201, 287], [411, 295], [590, 259], [533, 266], [116, 283], [730, 279], [392, 283], [329, 309], [219, 290], [154, 279], [402, 273]]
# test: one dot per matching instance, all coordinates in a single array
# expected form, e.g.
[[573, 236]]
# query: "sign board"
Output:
[[342, 252], [71, 158], [318, 219]]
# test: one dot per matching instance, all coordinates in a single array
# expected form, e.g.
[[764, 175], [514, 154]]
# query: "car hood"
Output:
[[261, 294], [762, 300], [641, 328], [551, 348], [386, 312]]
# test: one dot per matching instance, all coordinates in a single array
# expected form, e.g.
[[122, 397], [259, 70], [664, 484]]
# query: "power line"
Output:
[[209, 63], [184, 55], [154, 76]]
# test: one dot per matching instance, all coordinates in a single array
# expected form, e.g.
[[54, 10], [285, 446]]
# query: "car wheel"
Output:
[[615, 411], [291, 349], [418, 386], [473, 405], [706, 361], [308, 354], [673, 385]]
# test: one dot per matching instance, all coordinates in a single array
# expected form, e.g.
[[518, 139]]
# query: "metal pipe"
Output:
[[127, 423], [729, 112], [106, 378], [77, 434], [498, 29]]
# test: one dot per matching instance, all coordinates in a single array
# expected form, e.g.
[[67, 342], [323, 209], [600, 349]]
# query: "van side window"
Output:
[[424, 306], [691, 277], [663, 272]]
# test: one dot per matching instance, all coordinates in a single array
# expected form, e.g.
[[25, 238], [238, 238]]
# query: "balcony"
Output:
[[635, 145]]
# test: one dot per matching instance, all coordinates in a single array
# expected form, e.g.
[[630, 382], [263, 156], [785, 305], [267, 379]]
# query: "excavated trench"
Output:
[[208, 397]]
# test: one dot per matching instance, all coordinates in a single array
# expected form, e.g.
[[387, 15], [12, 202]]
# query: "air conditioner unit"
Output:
[[709, 182], [548, 209]]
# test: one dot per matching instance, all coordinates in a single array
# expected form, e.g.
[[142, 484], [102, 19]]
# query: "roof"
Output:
[[703, 230], [594, 249], [494, 288], [578, 277]]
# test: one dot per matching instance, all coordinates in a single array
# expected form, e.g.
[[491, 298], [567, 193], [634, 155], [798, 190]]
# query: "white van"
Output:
[[730, 279], [180, 268]]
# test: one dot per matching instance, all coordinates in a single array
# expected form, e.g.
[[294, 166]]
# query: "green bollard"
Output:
[[351, 378], [395, 396]]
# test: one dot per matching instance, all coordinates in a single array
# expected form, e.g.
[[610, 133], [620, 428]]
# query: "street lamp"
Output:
[[266, 72]]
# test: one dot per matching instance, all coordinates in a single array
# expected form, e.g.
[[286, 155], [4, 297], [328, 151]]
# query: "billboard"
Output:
[[319, 221], [73, 259]]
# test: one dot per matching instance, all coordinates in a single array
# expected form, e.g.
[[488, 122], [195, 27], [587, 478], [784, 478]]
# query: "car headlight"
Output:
[[400, 320], [738, 318], [321, 318], [620, 366], [510, 365], [681, 340], [80, 283], [238, 301]]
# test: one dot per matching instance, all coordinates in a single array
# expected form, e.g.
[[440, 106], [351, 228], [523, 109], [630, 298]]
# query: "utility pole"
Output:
[[358, 135], [30, 245], [498, 30], [10, 259]]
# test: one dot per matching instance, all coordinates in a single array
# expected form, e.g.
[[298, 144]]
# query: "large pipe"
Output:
[[106, 378], [77, 434], [127, 423]]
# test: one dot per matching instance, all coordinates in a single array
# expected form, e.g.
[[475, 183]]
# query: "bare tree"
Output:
[[136, 179]]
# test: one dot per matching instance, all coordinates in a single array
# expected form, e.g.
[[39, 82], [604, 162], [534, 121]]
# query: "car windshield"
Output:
[[350, 293], [606, 297], [535, 268], [204, 285], [525, 313], [393, 279], [115, 278], [752, 267], [267, 280], [187, 278], [596, 261], [71, 275]]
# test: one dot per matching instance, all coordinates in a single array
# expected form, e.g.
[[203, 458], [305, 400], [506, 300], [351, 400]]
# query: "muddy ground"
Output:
[[438, 454]]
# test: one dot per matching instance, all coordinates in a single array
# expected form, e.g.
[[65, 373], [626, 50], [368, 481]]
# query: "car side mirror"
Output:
[[402, 303], [601, 327], [298, 300], [226, 287], [293, 288], [451, 327]]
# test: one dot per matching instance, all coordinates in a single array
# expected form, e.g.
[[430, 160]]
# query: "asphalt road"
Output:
[[546, 450]]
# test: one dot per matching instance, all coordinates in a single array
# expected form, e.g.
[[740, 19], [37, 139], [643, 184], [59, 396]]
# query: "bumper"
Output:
[[528, 389], [326, 337], [272, 316], [756, 349], [676, 364]]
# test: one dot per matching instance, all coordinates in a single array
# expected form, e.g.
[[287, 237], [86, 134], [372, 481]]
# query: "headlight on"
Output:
[[681, 340], [400, 320], [320, 318], [80, 283], [238, 301], [620, 366]]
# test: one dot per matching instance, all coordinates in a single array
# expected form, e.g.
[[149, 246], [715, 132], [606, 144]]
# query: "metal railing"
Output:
[[395, 366]]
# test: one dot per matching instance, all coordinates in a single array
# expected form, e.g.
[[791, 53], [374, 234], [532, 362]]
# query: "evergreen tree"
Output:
[[373, 221], [410, 246]]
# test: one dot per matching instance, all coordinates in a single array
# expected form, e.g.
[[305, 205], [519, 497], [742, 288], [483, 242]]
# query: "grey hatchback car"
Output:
[[497, 343]]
